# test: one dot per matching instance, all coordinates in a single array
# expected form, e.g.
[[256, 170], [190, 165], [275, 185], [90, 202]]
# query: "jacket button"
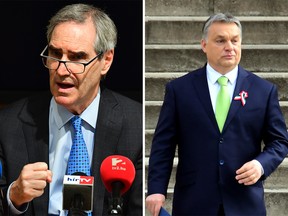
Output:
[[221, 162]]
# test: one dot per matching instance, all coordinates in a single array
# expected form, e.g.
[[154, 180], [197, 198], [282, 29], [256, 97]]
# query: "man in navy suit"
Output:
[[219, 172], [36, 133]]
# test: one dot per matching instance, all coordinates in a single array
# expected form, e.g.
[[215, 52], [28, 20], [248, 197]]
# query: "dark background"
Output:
[[23, 37]]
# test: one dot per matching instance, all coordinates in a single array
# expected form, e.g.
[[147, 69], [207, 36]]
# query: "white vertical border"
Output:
[[143, 105]]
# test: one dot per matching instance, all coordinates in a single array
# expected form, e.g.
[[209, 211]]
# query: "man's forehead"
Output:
[[76, 33], [221, 28]]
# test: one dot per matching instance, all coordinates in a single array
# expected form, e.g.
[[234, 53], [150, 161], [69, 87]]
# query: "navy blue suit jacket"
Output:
[[208, 159]]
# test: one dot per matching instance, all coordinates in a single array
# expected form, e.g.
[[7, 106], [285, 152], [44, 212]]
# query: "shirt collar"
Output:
[[61, 115], [213, 75]]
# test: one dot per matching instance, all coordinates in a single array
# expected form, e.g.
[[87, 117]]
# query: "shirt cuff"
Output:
[[260, 165], [12, 208]]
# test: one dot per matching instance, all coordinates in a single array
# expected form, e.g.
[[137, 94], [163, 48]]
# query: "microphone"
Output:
[[117, 173], [78, 193], [1, 191], [1, 169]]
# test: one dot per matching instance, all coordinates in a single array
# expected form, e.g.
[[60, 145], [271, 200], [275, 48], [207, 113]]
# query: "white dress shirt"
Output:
[[213, 85]]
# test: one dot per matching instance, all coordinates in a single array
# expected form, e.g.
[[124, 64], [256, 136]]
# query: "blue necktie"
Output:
[[78, 159]]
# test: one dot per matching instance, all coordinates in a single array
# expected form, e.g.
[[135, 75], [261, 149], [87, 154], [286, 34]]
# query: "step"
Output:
[[155, 83], [276, 202], [252, 7], [184, 58], [188, 30], [277, 180], [152, 110], [178, 7], [207, 7], [148, 141]]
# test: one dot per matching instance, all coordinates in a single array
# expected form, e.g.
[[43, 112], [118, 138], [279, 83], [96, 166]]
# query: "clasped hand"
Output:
[[30, 183], [154, 203]]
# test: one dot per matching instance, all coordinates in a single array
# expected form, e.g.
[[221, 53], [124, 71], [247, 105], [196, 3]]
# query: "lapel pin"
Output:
[[242, 97]]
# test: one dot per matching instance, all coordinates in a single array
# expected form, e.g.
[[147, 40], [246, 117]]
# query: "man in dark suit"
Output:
[[36, 133], [220, 170]]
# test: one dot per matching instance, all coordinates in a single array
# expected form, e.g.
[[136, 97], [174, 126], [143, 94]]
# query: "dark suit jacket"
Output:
[[24, 139], [208, 159]]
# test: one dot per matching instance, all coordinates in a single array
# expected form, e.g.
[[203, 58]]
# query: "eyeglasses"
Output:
[[71, 66]]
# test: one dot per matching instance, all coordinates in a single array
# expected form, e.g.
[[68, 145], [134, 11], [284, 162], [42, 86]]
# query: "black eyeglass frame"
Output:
[[64, 62]]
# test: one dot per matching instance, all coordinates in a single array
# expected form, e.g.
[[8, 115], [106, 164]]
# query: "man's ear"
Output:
[[203, 45], [108, 59]]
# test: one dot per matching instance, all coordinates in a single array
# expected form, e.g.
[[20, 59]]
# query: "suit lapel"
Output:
[[36, 132], [108, 129], [242, 84], [201, 86], [202, 89]]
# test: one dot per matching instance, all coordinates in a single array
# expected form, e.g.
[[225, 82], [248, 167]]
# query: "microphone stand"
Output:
[[116, 201], [76, 212]]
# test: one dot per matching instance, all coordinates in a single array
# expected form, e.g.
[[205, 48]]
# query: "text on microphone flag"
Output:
[[80, 180]]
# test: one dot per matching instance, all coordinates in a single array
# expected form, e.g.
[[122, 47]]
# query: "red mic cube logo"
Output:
[[86, 180], [118, 164]]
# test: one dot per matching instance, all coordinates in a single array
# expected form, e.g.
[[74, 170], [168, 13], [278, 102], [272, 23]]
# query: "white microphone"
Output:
[[78, 193]]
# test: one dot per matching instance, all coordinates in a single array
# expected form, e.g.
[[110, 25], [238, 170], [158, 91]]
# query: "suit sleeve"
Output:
[[163, 146], [275, 136]]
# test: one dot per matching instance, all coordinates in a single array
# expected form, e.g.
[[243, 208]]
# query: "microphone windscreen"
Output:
[[117, 168], [78, 192], [1, 169]]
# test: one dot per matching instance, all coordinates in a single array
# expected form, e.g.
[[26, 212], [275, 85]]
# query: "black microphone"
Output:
[[117, 173], [78, 193], [1, 192], [1, 169]]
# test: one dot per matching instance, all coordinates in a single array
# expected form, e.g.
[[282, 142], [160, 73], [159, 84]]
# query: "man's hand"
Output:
[[249, 173], [30, 183], [154, 203]]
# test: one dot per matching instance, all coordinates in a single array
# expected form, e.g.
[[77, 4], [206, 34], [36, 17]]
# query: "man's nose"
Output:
[[228, 45], [62, 69]]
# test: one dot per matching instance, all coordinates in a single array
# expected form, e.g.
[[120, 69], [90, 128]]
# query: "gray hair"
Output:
[[220, 17], [106, 37]]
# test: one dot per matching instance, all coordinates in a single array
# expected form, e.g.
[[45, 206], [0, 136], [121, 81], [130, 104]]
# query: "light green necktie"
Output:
[[222, 103]]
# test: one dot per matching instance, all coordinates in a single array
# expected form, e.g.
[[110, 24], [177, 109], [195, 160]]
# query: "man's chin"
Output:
[[65, 101], [229, 64]]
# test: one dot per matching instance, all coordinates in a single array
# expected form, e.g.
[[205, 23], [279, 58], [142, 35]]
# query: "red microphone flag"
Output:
[[117, 168]]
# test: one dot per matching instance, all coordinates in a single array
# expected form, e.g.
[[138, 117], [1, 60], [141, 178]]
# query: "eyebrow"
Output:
[[223, 37], [51, 47], [82, 53]]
